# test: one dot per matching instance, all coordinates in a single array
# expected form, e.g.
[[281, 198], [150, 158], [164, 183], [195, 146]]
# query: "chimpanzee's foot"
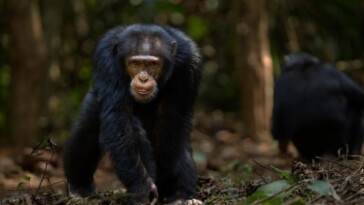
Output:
[[80, 191]]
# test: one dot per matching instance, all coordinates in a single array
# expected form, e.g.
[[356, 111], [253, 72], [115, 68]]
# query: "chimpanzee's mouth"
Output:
[[143, 91]]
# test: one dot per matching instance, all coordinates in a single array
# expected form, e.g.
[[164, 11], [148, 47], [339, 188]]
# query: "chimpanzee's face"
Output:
[[144, 71], [146, 64]]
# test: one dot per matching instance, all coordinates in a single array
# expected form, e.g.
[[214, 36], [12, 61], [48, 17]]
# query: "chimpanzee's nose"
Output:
[[143, 77]]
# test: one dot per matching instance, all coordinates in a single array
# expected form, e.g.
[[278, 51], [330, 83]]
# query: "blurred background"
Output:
[[46, 51]]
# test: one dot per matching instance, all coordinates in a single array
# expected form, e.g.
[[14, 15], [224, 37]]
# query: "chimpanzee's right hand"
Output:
[[148, 194], [153, 191]]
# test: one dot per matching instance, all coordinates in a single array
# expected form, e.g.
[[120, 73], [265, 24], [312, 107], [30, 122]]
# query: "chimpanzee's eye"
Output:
[[152, 63]]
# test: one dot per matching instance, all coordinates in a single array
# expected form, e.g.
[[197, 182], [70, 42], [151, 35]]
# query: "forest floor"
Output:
[[231, 171]]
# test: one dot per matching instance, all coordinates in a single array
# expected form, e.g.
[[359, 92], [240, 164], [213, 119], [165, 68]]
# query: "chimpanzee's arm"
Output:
[[120, 134], [82, 152]]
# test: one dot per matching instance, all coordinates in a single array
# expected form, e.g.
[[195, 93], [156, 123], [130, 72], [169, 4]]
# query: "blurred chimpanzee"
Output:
[[145, 82], [317, 107]]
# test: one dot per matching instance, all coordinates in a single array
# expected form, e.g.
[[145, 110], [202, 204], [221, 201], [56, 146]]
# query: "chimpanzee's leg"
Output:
[[176, 172], [177, 178], [82, 152], [355, 136], [187, 175]]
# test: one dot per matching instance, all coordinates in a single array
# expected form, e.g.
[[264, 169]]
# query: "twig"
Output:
[[315, 199], [293, 201], [44, 173], [269, 168], [333, 161], [265, 181], [357, 170], [274, 195], [50, 185], [27, 200], [361, 191]]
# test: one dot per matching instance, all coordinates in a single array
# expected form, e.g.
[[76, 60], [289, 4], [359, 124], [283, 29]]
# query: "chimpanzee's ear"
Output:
[[174, 47]]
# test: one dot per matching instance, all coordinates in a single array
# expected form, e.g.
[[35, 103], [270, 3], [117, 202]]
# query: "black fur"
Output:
[[144, 140], [317, 107]]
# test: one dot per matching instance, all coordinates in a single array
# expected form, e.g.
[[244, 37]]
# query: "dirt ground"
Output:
[[213, 158], [229, 167]]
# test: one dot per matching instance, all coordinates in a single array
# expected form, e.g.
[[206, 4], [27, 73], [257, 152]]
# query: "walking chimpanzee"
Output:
[[145, 81], [317, 107]]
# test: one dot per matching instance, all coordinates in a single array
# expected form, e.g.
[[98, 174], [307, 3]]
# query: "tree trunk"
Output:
[[52, 27], [27, 70], [253, 61]]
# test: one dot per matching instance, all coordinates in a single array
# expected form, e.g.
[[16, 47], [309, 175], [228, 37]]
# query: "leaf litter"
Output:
[[323, 181], [232, 171]]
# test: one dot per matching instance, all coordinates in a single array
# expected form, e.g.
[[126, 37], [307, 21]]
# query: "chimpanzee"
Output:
[[145, 81], [317, 107]]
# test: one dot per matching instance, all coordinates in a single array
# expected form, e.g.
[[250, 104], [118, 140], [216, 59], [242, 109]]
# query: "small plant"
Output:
[[244, 171], [275, 192], [44, 144], [21, 184]]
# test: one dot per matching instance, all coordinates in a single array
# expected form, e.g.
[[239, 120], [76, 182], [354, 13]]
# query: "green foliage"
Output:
[[197, 27], [212, 199], [85, 71], [27, 178], [237, 166], [327, 28], [324, 188], [275, 192], [246, 172], [4, 76], [268, 190], [290, 178], [20, 185], [330, 29], [4, 85], [167, 6], [42, 144]]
